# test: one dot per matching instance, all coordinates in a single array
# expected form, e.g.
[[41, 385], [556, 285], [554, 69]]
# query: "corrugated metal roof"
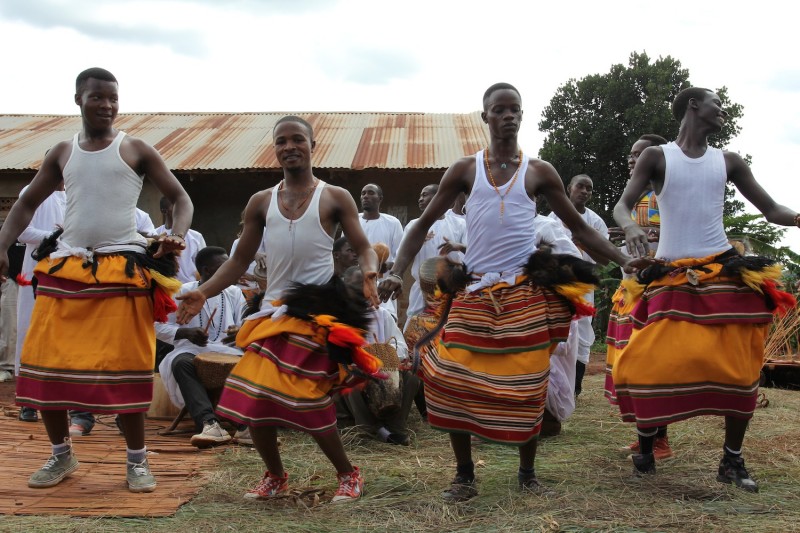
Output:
[[234, 141]]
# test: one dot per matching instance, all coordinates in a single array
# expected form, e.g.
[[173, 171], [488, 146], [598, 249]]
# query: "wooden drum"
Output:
[[161, 406], [213, 368], [384, 396]]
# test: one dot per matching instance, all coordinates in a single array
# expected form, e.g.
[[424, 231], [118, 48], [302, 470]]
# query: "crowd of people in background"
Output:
[[493, 344]]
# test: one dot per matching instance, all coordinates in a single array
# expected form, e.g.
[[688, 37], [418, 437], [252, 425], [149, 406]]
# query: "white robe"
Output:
[[144, 224], [585, 329], [388, 230], [194, 243], [453, 229], [234, 304], [47, 217], [560, 400], [384, 328]]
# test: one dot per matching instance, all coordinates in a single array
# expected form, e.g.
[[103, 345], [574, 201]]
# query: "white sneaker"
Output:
[[5, 375], [212, 435], [243, 437]]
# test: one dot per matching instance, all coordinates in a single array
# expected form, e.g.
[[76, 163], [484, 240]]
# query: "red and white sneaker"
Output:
[[269, 487], [351, 486]]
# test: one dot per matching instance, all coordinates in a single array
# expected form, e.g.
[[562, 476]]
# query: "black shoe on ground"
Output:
[[461, 490], [28, 414], [732, 470], [530, 485], [644, 464]]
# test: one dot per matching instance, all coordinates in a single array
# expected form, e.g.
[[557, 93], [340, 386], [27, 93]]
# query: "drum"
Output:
[[213, 368], [384, 396], [161, 406]]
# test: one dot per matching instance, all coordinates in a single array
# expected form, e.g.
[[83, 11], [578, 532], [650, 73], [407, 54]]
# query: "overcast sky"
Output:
[[431, 56]]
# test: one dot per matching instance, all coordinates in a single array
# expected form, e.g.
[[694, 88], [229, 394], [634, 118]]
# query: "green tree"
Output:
[[591, 123]]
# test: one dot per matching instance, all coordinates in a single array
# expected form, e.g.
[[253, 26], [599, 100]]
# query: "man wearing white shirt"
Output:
[[446, 230], [380, 227], [206, 332], [194, 243], [47, 217], [392, 429], [144, 224], [560, 401], [579, 191]]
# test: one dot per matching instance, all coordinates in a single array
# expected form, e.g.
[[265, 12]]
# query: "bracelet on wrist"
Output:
[[177, 235], [395, 276]]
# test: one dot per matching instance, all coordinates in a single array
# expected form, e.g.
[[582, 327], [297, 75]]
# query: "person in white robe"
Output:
[[212, 330]]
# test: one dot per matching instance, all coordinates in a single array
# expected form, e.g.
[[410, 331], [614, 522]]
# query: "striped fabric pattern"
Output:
[[526, 318], [620, 327], [499, 407], [63, 288], [722, 301], [488, 376], [92, 353], [100, 392], [285, 378], [695, 350]]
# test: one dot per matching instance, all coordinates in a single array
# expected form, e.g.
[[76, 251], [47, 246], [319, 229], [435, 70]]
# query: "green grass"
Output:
[[591, 478]]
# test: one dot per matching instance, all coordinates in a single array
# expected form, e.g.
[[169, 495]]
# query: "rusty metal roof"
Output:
[[236, 141]]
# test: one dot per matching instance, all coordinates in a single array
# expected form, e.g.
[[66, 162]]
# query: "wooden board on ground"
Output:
[[98, 487]]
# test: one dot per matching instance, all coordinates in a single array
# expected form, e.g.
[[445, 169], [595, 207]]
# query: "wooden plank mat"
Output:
[[98, 487]]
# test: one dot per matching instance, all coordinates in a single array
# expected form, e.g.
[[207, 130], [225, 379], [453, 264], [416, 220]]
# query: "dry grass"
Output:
[[594, 491]]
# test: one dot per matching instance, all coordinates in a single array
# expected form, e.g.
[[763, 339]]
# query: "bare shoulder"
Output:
[[733, 158], [136, 144], [337, 194], [464, 166], [652, 153], [540, 171]]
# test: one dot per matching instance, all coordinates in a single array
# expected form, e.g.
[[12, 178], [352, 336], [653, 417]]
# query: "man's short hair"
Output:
[[94, 72], [294, 118], [377, 188], [338, 244], [681, 102], [204, 256], [653, 139], [587, 176], [434, 186], [497, 87]]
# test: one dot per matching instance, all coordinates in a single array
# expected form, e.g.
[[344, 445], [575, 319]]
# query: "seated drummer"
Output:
[[392, 429], [212, 330]]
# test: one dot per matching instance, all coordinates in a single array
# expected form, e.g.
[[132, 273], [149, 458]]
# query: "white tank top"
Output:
[[102, 191], [299, 250], [495, 244], [691, 203]]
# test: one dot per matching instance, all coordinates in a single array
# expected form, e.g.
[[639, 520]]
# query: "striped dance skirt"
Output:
[[285, 377], [488, 375], [620, 327], [91, 342], [696, 349]]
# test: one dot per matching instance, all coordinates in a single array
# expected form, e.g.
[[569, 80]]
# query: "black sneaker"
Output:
[[461, 490], [529, 484], [28, 414], [644, 465], [732, 470]]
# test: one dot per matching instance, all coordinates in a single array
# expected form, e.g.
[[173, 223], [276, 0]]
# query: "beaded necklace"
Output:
[[494, 184], [211, 317]]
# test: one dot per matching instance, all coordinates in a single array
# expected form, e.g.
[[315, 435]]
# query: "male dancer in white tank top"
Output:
[[102, 170], [500, 213], [664, 374], [300, 216]]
